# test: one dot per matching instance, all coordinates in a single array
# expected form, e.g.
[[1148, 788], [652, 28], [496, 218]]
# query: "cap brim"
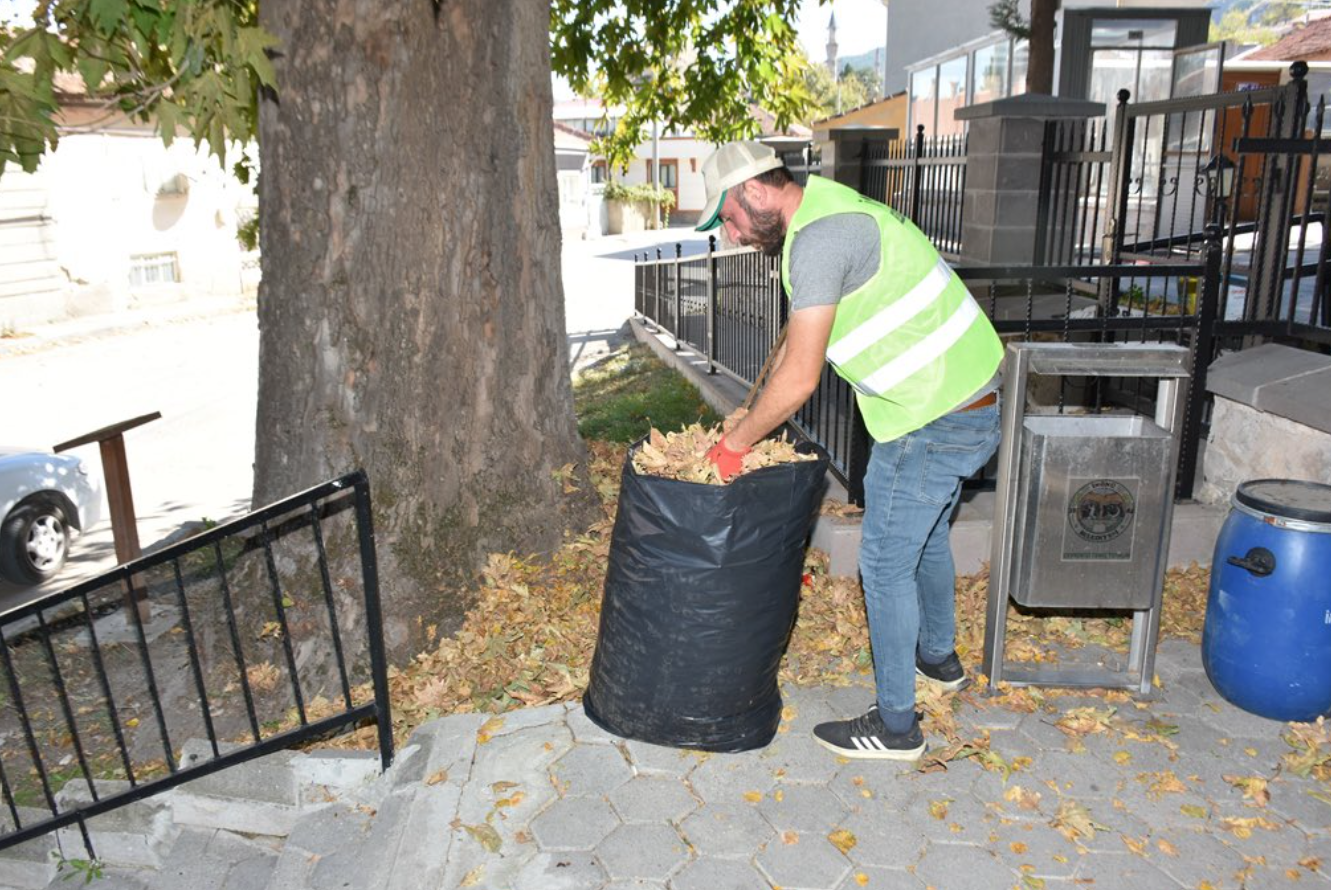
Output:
[[713, 218]]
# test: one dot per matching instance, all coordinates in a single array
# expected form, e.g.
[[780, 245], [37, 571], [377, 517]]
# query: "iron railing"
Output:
[[251, 633], [923, 178], [1246, 161], [735, 313]]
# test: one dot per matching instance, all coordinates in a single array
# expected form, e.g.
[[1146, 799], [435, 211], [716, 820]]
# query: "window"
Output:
[[990, 67], [951, 96], [923, 86], [670, 174], [1021, 60], [153, 268], [598, 172], [1135, 33]]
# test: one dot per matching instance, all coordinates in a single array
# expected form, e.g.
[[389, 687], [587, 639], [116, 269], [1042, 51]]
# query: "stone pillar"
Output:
[[1004, 156], [843, 153]]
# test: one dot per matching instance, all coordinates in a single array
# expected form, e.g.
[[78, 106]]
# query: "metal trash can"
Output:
[[1092, 503], [1084, 505]]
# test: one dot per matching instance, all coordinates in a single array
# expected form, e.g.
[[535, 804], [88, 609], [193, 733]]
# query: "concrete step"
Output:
[[138, 835], [29, 865]]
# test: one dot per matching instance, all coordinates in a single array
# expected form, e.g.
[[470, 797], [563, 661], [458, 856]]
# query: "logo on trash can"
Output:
[[1101, 511]]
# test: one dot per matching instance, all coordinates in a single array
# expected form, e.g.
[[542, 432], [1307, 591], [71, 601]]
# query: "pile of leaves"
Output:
[[682, 455], [530, 636]]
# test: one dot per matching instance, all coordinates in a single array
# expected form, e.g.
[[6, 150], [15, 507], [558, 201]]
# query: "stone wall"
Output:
[[1271, 419]]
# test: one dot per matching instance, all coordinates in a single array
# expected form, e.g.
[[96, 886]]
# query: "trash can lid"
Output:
[[1290, 498]]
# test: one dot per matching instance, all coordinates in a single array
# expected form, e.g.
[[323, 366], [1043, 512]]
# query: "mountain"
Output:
[[863, 60]]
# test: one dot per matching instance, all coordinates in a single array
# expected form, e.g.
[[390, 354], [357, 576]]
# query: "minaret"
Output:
[[831, 46]]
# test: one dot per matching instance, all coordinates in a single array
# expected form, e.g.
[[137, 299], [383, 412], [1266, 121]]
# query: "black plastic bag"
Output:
[[700, 598]]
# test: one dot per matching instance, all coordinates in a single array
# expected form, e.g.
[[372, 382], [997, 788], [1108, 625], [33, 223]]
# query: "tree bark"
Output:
[[411, 312], [1040, 70]]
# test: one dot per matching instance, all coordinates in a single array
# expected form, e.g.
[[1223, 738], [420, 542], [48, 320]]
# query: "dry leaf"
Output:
[[473, 877], [938, 808], [1166, 847], [790, 838], [1253, 788], [1073, 820], [1026, 800], [753, 796], [682, 455], [843, 840], [486, 836], [436, 778]]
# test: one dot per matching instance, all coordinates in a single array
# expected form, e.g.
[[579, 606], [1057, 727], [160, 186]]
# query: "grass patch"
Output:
[[630, 391]]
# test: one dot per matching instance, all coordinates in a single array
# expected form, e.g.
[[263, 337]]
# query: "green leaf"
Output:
[[107, 14]]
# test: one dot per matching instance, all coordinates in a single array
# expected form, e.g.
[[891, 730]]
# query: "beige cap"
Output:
[[727, 167]]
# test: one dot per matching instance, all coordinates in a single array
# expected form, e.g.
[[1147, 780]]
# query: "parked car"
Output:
[[42, 497]]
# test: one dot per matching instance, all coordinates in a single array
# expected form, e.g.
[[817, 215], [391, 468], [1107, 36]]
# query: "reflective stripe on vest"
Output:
[[893, 316]]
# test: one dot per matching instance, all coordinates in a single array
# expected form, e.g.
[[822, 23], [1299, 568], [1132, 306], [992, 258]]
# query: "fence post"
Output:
[[1275, 208], [679, 300], [916, 175], [1116, 209], [1203, 349], [711, 304], [656, 290]]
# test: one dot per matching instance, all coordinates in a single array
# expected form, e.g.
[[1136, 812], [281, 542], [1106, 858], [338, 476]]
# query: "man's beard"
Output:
[[769, 229]]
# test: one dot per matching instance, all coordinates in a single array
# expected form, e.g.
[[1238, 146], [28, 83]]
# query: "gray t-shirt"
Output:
[[831, 257]]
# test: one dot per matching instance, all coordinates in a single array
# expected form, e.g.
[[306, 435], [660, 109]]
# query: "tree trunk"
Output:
[[411, 313], [1040, 70]]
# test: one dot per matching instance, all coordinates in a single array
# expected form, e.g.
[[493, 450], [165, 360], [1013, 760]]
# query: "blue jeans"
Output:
[[911, 487]]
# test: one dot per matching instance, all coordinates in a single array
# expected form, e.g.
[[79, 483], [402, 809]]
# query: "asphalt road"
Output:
[[193, 463]]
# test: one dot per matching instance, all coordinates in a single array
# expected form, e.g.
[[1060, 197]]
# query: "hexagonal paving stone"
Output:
[[1197, 857], [590, 769], [574, 823], [863, 787], [883, 842], [802, 808], [653, 799], [645, 852], [810, 862], [874, 878], [652, 759], [1124, 871], [725, 780], [964, 819], [733, 831], [1036, 849], [584, 730], [718, 874], [964, 867], [567, 871]]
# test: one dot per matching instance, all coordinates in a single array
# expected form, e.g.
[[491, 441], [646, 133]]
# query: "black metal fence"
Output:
[[735, 307], [923, 178], [1246, 161], [1074, 189], [259, 633]]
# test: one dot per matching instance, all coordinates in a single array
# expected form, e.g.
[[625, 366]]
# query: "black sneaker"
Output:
[[949, 674], [866, 738]]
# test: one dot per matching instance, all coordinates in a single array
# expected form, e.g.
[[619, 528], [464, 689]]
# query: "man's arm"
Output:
[[794, 378]]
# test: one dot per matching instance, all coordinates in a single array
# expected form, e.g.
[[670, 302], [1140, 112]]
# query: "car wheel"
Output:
[[34, 541]]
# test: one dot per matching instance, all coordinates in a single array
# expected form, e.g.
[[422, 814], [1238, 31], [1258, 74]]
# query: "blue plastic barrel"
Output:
[[1267, 640]]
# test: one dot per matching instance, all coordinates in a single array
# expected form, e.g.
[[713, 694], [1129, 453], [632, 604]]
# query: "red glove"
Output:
[[728, 463]]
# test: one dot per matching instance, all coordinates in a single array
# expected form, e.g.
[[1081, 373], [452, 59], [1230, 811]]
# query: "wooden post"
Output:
[[119, 496]]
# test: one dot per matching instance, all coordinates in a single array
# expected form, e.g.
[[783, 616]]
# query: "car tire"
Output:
[[34, 541]]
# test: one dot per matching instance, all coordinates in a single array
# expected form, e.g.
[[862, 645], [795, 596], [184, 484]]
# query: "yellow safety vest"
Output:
[[911, 340]]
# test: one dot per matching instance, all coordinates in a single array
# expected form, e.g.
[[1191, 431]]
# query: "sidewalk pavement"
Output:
[[541, 799]]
